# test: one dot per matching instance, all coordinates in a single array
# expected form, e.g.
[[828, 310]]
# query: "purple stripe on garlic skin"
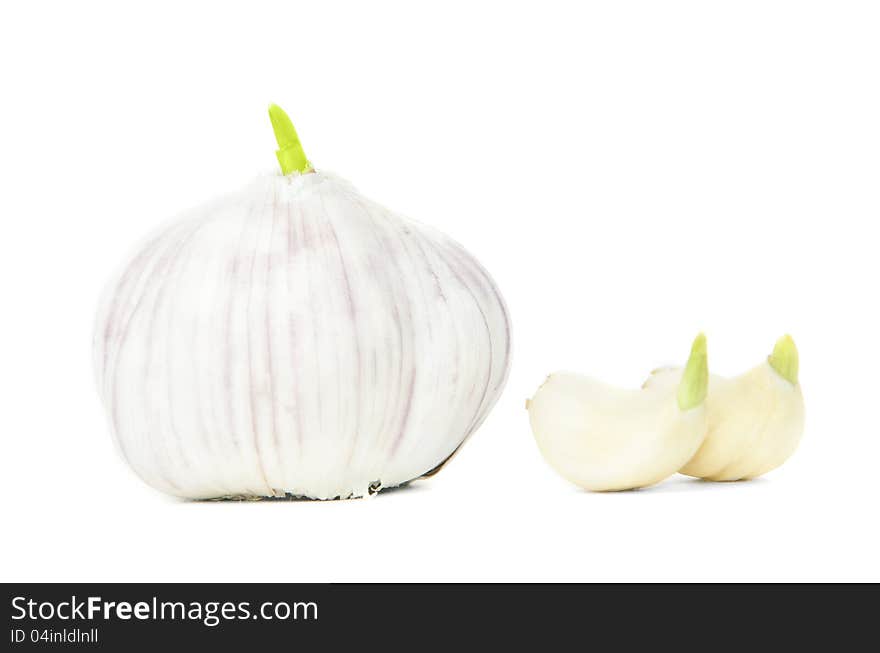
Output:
[[297, 339]]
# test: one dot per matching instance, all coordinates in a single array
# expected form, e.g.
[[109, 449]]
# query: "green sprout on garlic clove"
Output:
[[784, 359]]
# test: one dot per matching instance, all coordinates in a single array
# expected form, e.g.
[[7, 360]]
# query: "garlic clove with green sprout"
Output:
[[755, 420], [296, 338], [606, 438]]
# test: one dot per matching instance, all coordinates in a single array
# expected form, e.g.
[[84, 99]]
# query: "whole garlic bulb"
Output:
[[297, 339]]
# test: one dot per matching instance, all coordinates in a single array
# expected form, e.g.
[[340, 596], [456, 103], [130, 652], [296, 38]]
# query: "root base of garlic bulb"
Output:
[[283, 495]]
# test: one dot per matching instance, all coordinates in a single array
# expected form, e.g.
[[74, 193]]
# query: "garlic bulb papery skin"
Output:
[[297, 339], [755, 420], [602, 438]]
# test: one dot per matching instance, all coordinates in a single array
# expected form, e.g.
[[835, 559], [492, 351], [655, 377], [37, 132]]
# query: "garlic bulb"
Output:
[[755, 421], [605, 438], [297, 339]]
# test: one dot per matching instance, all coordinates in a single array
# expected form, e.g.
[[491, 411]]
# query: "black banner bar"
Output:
[[238, 617]]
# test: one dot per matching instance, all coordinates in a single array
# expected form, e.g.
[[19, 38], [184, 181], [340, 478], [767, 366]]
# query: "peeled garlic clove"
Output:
[[296, 338], [755, 420], [605, 438]]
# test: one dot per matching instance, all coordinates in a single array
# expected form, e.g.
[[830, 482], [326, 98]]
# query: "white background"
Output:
[[629, 172]]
